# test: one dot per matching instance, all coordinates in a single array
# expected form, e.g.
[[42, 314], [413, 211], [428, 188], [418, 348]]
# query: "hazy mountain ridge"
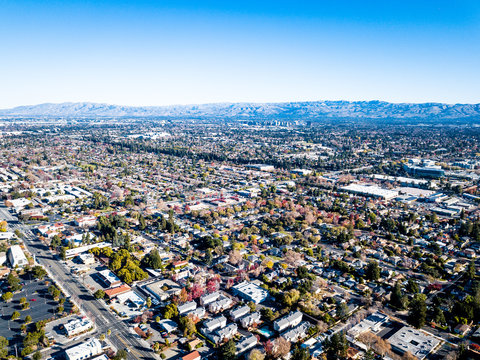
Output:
[[290, 110]]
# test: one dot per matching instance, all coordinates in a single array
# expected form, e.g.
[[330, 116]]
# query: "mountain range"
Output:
[[288, 110]]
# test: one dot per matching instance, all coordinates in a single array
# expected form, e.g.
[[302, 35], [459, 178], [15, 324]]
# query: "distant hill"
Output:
[[288, 110]]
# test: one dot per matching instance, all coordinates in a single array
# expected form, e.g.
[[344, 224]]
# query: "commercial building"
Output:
[[70, 253], [109, 278], [423, 168], [194, 355], [78, 326], [370, 191], [163, 289], [416, 342], [116, 291], [16, 257], [87, 349], [250, 292]]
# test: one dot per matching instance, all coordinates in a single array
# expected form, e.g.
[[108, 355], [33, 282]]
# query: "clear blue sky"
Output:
[[181, 52]]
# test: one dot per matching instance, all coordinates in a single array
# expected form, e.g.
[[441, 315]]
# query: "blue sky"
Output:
[[184, 52]]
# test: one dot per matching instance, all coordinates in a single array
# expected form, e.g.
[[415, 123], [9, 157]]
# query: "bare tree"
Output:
[[281, 347], [234, 257], [256, 354]]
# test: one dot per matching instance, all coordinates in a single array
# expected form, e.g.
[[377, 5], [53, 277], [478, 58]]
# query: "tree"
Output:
[[336, 347], [152, 260], [281, 347], [341, 309], [15, 315], [372, 272], [3, 226], [187, 325], [28, 319], [141, 220], [412, 286], [171, 311], [227, 351], [7, 296], [3, 347], [369, 355], [63, 253], [39, 272], [300, 353], [256, 354], [439, 316], [121, 354], [14, 282], [235, 257], [99, 294], [37, 356], [208, 257], [291, 297], [417, 311], [397, 299], [55, 242], [471, 270], [149, 302]]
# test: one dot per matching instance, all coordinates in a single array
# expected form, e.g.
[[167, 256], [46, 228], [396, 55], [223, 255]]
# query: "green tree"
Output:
[[227, 351], [15, 315], [7, 296], [37, 356], [208, 257], [39, 272], [412, 286], [291, 297], [397, 298], [3, 347], [336, 347], [152, 260], [369, 355], [341, 309], [438, 316], [417, 314], [171, 311], [121, 354], [99, 294], [187, 325], [63, 253], [300, 353], [471, 270], [372, 272], [14, 282], [28, 319], [141, 220]]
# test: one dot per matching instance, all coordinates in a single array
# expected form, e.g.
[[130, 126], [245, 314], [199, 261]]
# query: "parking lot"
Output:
[[41, 307]]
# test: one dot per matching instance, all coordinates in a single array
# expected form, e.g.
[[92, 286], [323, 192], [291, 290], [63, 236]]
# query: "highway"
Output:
[[121, 337]]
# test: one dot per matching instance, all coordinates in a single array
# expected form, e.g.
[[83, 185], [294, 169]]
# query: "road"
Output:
[[121, 337]]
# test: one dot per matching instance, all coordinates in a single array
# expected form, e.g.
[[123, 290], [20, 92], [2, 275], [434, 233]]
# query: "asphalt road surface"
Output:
[[121, 337]]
